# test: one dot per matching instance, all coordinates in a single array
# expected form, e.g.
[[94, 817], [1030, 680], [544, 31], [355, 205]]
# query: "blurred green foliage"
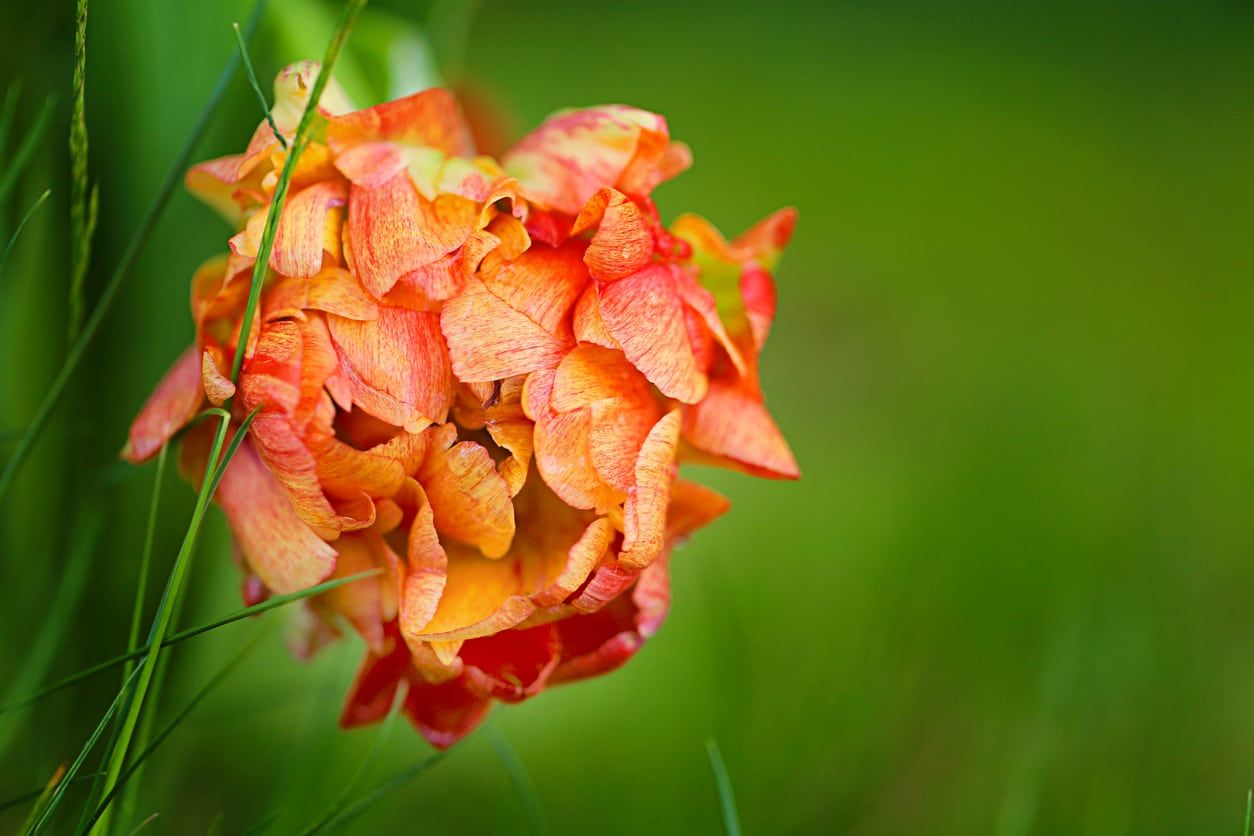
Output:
[[1011, 594]]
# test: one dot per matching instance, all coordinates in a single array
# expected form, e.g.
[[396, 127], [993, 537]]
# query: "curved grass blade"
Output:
[[60, 614], [144, 754], [381, 791], [521, 780], [54, 800], [4, 256], [16, 164], [380, 739], [726, 798], [145, 558], [299, 141], [183, 635], [116, 755], [252, 80], [143, 231]]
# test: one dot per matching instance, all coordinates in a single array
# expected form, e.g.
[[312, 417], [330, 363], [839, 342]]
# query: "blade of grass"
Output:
[[42, 798], [54, 800], [82, 209], [252, 80], [380, 739], [143, 232], [16, 164], [145, 558], [60, 615], [382, 790], [45, 790], [146, 752], [1249, 807], [183, 635], [174, 587], [519, 777], [4, 256], [726, 798], [299, 140]]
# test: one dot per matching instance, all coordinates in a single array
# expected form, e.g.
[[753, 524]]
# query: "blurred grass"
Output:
[[1013, 355]]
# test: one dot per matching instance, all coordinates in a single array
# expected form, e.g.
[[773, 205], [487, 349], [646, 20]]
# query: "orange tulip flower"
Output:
[[477, 377]]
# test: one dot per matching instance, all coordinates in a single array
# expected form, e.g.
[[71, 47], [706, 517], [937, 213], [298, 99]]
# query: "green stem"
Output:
[[726, 798]]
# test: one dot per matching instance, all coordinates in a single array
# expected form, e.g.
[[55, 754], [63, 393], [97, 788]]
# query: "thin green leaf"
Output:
[[16, 164], [143, 232], [145, 558], [44, 790], [54, 800], [380, 739], [42, 797], [252, 80], [116, 755], [520, 778], [184, 635], [381, 791], [4, 256], [145, 753], [82, 210], [299, 140], [726, 798], [1249, 807], [60, 615]]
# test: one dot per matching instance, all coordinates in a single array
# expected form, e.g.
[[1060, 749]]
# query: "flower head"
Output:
[[478, 378]]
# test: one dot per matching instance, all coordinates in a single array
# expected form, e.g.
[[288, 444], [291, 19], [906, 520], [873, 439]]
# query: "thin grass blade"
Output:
[[45, 790], [4, 256], [299, 140], [142, 233], [726, 798], [520, 778], [183, 635], [200, 695], [54, 800], [252, 80]]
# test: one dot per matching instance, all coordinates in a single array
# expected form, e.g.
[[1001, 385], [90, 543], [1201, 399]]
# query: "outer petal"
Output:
[[445, 713], [563, 162], [428, 118], [622, 243], [306, 228], [732, 424], [283, 551], [172, 404], [645, 314]]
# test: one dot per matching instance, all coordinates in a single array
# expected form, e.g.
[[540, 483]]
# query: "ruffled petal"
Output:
[[623, 241], [174, 402], [490, 340], [644, 512], [471, 500], [732, 425]]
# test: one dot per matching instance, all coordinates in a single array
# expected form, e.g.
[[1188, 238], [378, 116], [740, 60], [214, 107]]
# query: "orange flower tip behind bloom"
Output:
[[477, 378]]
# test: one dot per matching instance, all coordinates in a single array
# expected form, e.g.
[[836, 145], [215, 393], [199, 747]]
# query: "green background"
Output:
[[1012, 592]]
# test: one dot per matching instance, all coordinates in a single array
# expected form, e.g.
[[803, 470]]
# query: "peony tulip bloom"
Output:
[[477, 377]]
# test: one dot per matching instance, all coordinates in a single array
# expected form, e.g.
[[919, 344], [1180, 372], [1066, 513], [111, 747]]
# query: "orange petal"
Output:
[[337, 291], [427, 118], [542, 283], [425, 572], [471, 500], [490, 340], [644, 512], [574, 153], [280, 548], [394, 230], [693, 506], [302, 233], [622, 242], [364, 603], [731, 424], [563, 450], [645, 314], [174, 402], [218, 387], [589, 327], [396, 367], [373, 691]]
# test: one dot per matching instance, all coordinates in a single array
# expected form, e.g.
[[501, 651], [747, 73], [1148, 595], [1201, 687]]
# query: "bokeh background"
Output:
[[1014, 354]]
